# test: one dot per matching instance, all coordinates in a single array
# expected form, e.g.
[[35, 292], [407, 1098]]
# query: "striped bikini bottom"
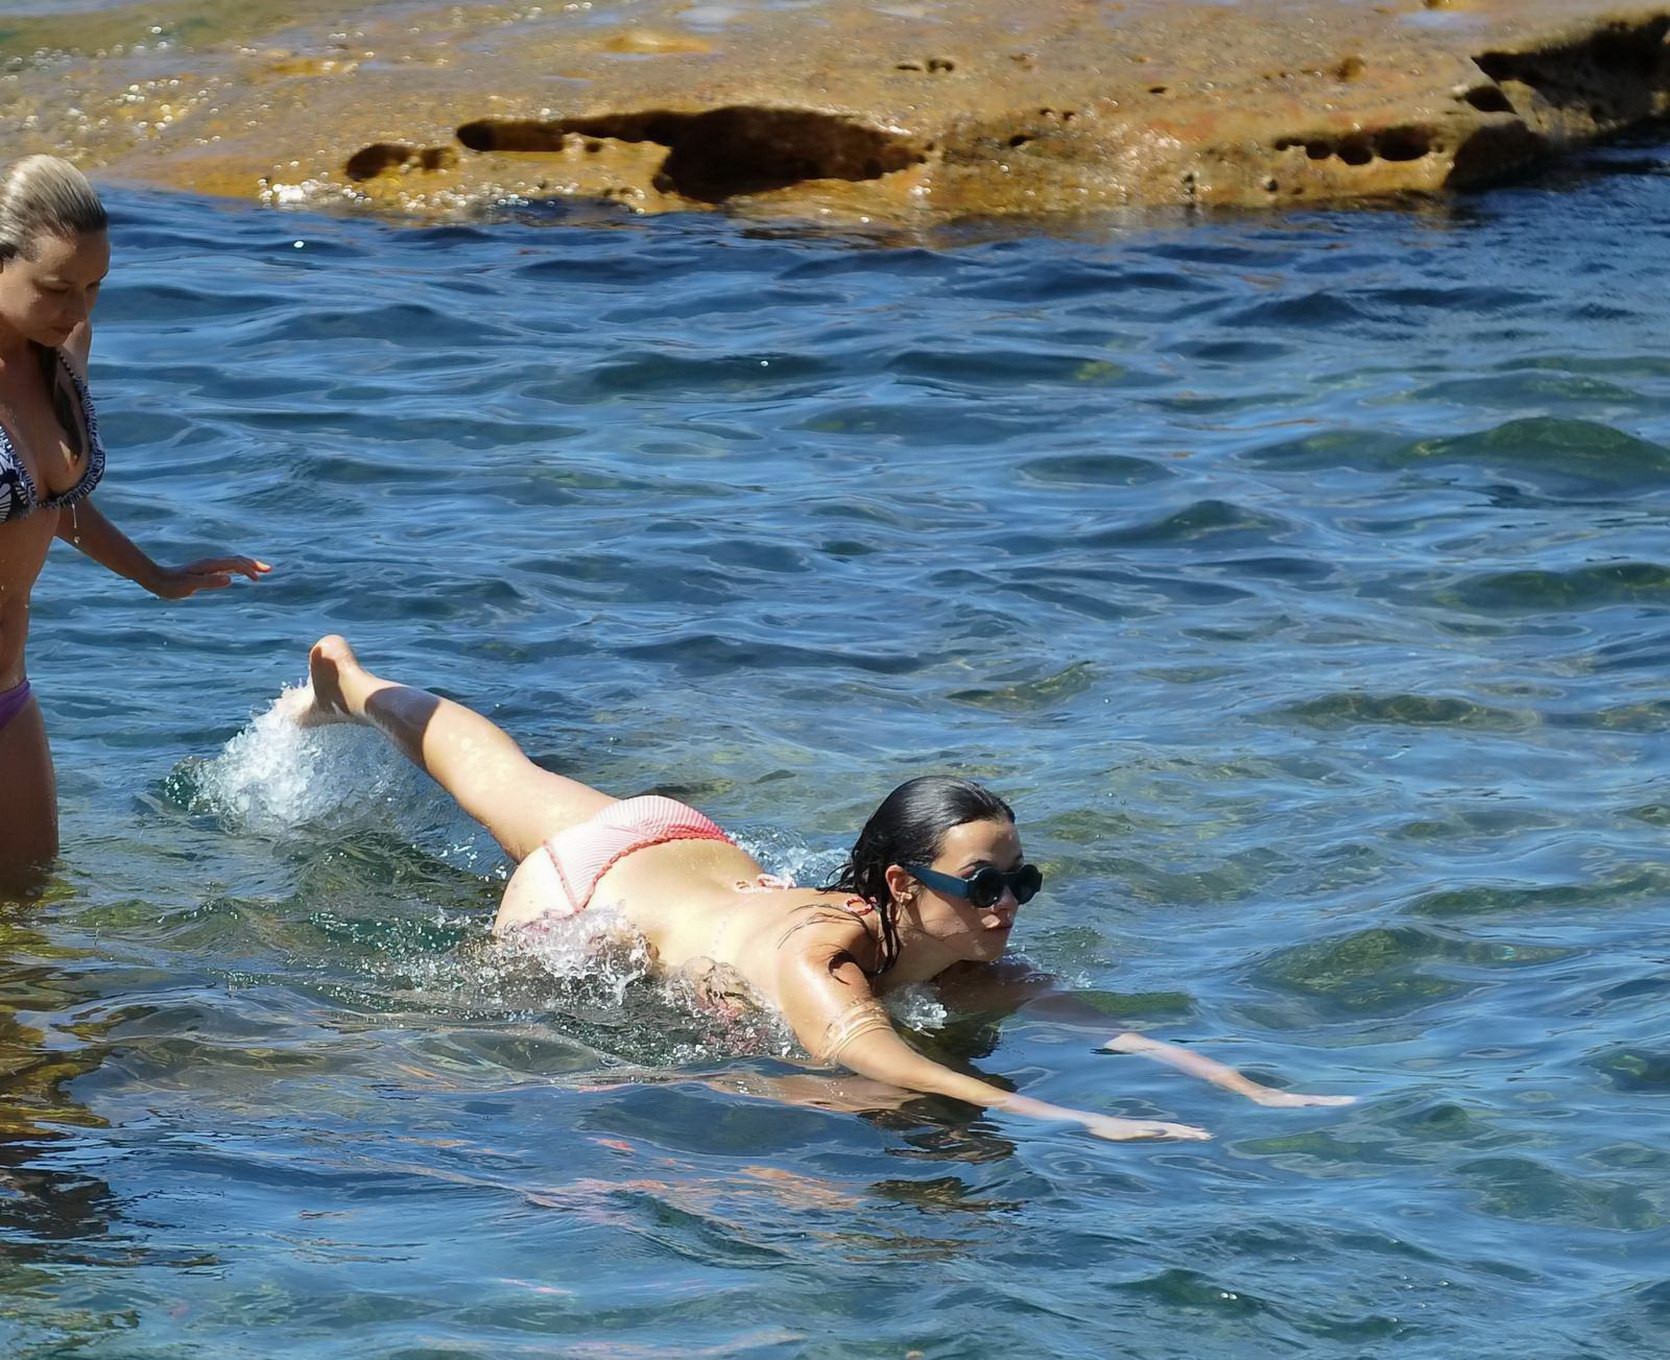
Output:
[[584, 853]]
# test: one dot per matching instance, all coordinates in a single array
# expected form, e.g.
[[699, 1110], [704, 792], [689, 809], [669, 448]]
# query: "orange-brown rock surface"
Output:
[[916, 108]]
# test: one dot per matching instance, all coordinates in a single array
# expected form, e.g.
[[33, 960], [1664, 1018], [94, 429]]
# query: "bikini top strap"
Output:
[[72, 403], [68, 392]]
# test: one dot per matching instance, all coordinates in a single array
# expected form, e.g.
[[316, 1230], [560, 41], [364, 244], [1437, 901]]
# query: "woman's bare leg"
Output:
[[28, 802], [470, 757]]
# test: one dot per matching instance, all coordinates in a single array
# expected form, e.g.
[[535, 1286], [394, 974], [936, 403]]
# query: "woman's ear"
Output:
[[899, 882]]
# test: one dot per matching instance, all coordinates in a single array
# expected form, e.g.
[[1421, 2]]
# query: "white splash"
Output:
[[788, 856], [596, 946], [276, 774], [917, 1007]]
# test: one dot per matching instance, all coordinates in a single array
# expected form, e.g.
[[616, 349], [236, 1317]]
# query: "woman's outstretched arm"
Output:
[[827, 1000], [1006, 989], [1219, 1074], [85, 526]]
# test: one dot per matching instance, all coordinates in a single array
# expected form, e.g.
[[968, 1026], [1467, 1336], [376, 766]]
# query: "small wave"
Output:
[[1557, 457], [1094, 469], [711, 654], [916, 422], [1391, 971], [1535, 590], [1635, 1069], [1465, 300], [395, 323], [1612, 894], [1405, 710], [1213, 523], [1310, 310], [1027, 696]]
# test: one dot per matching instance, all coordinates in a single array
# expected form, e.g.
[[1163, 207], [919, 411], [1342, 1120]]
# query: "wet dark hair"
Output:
[[909, 828]]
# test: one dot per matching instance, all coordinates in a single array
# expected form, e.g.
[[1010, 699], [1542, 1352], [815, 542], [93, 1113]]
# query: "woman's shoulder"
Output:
[[825, 922], [832, 906]]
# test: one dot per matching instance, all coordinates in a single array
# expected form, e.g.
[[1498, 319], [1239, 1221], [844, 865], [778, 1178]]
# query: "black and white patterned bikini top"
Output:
[[18, 496]]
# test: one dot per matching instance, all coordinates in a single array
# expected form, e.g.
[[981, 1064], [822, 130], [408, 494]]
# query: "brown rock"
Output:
[[931, 110], [646, 42]]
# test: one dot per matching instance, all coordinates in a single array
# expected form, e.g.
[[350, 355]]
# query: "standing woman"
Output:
[[54, 253]]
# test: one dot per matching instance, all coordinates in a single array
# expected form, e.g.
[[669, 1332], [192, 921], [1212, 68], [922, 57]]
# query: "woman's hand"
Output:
[[87, 529], [1218, 1074], [1119, 1130], [208, 573], [1289, 1100], [1106, 1126]]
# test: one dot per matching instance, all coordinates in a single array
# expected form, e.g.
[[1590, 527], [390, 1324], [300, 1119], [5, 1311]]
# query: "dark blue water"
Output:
[[1303, 582]]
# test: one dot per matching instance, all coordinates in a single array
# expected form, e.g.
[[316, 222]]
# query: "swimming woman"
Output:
[[935, 881], [54, 253]]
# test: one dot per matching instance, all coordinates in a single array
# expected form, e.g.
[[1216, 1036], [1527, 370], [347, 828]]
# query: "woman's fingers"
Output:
[[252, 567], [1295, 1099], [1124, 1130]]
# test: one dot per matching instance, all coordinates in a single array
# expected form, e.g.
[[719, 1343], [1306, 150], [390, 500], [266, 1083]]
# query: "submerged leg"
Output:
[[472, 758], [28, 803]]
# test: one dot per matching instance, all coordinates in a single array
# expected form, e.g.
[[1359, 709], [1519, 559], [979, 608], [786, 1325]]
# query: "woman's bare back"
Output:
[[698, 904]]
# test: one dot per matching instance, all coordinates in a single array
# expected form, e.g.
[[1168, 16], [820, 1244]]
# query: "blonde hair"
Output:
[[45, 196]]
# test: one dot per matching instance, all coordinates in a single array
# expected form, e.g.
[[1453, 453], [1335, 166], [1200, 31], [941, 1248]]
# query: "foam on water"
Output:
[[918, 1006], [276, 775], [788, 857], [598, 944]]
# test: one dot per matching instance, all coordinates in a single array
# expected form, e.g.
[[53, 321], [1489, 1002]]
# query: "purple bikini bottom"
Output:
[[13, 701]]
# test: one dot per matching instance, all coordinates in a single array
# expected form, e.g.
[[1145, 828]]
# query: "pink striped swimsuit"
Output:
[[584, 853]]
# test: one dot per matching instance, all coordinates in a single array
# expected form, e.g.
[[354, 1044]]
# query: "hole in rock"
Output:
[[720, 153], [1403, 144], [378, 158], [1489, 99], [1355, 150]]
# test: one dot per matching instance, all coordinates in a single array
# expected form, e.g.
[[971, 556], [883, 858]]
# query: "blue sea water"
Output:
[[1302, 580]]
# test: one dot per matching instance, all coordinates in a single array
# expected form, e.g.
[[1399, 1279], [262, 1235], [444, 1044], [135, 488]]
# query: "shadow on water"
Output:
[[55, 1210]]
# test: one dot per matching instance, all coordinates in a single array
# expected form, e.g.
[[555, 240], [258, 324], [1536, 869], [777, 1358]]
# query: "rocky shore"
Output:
[[929, 110]]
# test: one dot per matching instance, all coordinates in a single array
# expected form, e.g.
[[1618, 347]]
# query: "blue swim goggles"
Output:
[[984, 887]]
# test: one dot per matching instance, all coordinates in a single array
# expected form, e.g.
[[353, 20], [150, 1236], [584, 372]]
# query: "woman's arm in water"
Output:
[[1006, 988], [85, 526], [827, 1000], [1219, 1074]]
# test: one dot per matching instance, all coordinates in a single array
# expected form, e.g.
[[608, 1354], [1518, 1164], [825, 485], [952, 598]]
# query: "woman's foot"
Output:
[[329, 665]]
